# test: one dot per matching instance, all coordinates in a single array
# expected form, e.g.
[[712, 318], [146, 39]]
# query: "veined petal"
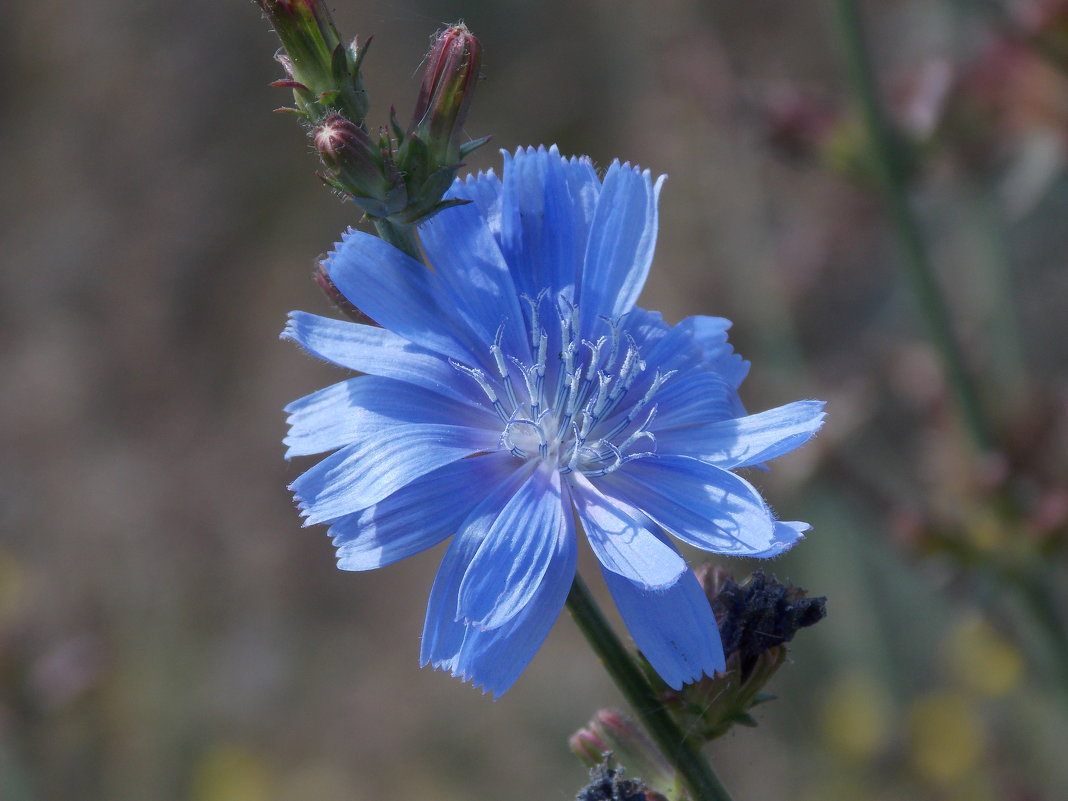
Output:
[[745, 441], [674, 627], [337, 415], [443, 632], [376, 351], [625, 540], [417, 516], [386, 457], [467, 260], [621, 243], [400, 294], [484, 192], [546, 213], [696, 397], [492, 659], [511, 562], [710, 336], [701, 504]]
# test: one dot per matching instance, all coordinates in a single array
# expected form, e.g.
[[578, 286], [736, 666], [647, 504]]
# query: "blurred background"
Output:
[[167, 629]]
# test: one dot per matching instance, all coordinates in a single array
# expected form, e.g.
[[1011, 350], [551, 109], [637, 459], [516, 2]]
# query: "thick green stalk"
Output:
[[701, 781], [891, 175], [402, 237]]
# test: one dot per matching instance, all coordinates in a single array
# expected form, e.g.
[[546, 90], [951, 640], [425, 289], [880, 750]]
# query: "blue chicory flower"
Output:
[[516, 385]]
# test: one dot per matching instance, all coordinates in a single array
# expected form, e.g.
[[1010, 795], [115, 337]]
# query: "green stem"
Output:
[[402, 237], [1038, 597], [891, 175], [690, 764]]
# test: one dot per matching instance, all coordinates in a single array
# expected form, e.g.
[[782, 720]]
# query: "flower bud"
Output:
[[322, 71], [612, 731], [333, 294], [358, 166], [452, 70]]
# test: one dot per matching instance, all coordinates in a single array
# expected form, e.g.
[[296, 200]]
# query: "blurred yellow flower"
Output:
[[230, 772], [982, 660], [945, 736], [856, 716]]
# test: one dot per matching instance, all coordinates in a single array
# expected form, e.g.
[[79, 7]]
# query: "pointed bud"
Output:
[[445, 95], [358, 166], [323, 72], [612, 731]]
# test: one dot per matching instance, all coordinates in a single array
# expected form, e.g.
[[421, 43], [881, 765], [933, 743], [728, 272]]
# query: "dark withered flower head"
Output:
[[760, 614], [607, 784]]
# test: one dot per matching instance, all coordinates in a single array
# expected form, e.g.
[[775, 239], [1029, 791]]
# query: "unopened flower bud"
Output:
[[611, 731], [445, 95], [358, 166], [322, 71], [333, 294], [588, 745]]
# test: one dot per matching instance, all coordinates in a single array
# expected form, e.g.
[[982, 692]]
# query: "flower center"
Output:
[[582, 408]]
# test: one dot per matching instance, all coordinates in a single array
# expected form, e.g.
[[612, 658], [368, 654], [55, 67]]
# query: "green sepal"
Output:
[[473, 145], [762, 698], [340, 66], [395, 127]]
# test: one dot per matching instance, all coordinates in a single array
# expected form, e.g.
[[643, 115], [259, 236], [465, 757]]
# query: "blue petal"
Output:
[[468, 262], [492, 659], [710, 336], [418, 516], [519, 546], [546, 213], [373, 350], [697, 397], [336, 415], [443, 634], [401, 294], [484, 193], [386, 457], [746, 441], [621, 244], [701, 504], [674, 628], [787, 535], [626, 542]]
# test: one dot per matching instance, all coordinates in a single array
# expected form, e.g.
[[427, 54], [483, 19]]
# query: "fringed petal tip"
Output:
[[645, 173], [290, 331], [529, 151], [449, 666], [787, 534]]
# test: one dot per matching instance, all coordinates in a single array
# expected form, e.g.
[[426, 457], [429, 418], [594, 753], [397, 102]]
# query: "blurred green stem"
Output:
[[690, 764], [1039, 599], [890, 172]]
